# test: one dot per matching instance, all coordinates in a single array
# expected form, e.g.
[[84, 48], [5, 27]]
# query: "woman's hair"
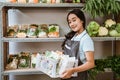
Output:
[[81, 16]]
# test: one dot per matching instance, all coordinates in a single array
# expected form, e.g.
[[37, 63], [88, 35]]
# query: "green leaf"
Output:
[[101, 7], [52, 29]]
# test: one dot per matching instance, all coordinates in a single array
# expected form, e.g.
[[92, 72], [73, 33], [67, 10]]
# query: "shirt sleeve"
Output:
[[88, 45]]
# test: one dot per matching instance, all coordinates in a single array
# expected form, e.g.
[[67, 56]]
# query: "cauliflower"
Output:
[[109, 23], [103, 31]]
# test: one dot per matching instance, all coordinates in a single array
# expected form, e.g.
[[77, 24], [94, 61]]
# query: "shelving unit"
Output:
[[4, 41]]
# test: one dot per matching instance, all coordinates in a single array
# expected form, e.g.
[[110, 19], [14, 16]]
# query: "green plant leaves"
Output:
[[112, 62], [101, 7]]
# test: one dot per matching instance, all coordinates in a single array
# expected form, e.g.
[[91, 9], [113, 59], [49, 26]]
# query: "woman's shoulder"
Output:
[[87, 38]]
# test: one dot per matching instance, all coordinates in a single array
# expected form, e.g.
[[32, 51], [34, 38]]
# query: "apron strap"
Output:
[[78, 55]]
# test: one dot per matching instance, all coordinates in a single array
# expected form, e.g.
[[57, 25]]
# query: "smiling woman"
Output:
[[81, 46]]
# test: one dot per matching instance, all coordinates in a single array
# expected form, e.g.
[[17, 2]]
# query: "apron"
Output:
[[72, 49]]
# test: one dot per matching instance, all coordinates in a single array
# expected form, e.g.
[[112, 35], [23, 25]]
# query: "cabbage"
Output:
[[114, 33], [118, 27], [93, 28]]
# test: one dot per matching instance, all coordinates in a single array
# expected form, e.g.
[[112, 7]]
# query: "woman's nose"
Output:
[[72, 24]]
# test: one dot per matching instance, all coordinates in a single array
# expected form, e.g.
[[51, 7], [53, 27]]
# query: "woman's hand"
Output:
[[67, 73]]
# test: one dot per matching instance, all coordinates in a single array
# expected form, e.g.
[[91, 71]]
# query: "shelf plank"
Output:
[[103, 38], [60, 39], [22, 71], [43, 4], [117, 38]]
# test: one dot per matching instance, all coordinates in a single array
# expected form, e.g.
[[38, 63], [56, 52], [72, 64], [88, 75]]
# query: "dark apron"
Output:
[[72, 49]]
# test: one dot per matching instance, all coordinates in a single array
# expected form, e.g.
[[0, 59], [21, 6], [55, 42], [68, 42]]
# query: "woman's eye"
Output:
[[74, 20], [69, 22]]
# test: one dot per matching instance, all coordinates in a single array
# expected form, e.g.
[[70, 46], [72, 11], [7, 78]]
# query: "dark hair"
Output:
[[81, 16]]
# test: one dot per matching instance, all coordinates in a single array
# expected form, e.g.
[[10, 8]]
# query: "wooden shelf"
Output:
[[43, 5], [117, 38], [103, 38], [60, 39], [22, 71]]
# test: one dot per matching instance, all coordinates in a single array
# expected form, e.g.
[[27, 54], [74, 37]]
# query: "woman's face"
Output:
[[75, 23]]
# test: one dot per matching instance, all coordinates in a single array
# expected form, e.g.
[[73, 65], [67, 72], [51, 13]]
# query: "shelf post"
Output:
[[113, 54], [1, 41], [113, 47]]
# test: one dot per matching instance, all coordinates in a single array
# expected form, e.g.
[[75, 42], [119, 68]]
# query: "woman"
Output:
[[79, 44]]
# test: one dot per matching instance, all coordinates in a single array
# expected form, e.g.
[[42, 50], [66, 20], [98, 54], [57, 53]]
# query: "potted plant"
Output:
[[115, 65], [111, 63], [101, 7]]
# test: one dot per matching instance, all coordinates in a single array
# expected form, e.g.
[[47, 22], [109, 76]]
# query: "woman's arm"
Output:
[[89, 62], [86, 66]]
